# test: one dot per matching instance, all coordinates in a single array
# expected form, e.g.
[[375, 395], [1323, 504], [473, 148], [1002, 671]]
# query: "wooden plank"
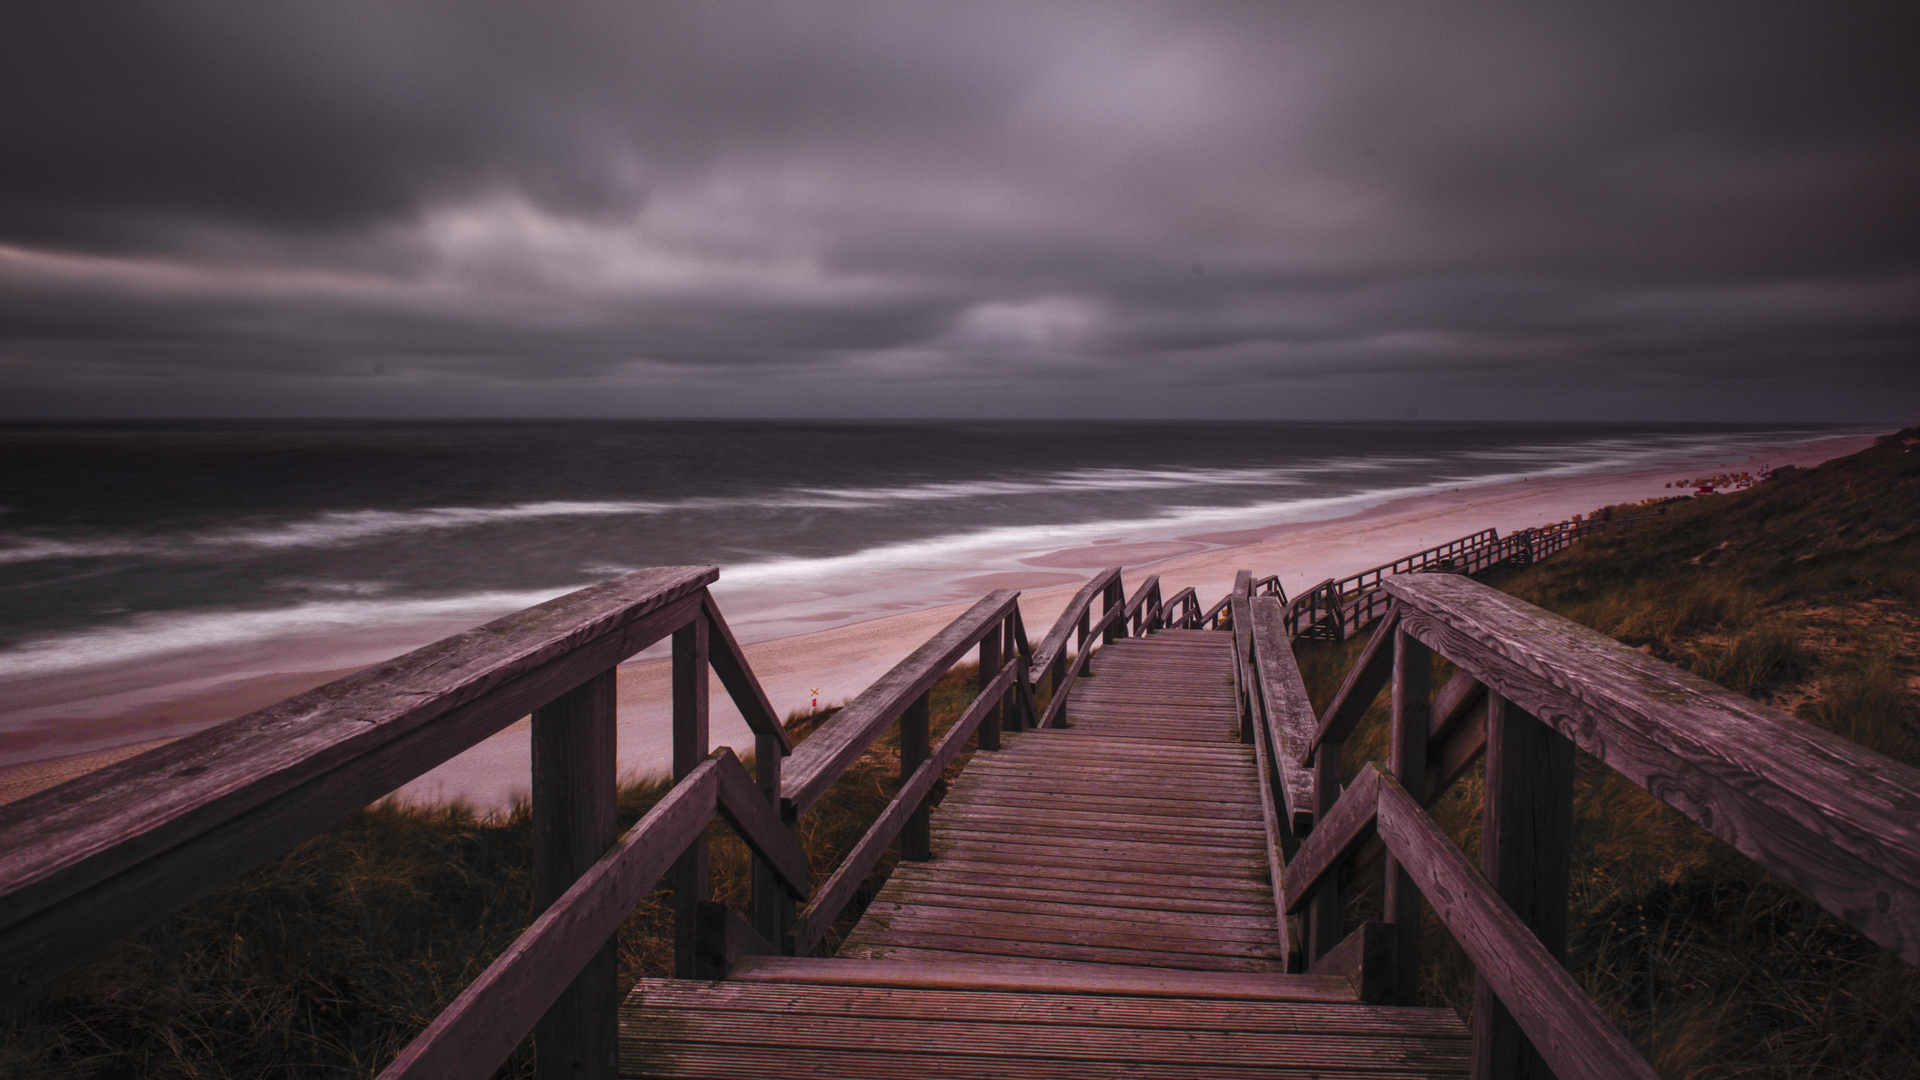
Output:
[[812, 923], [672, 1058], [1365, 960], [723, 939], [758, 825], [1834, 820], [1053, 646], [737, 676], [1108, 1043], [472, 1036], [1109, 929], [691, 879], [915, 844], [824, 755], [1567, 1027], [879, 941], [1290, 720], [1253, 1004], [1407, 756], [1277, 839], [934, 897], [1526, 851], [573, 826], [1169, 907], [1144, 889], [1336, 833], [1363, 683], [1038, 979], [90, 861]]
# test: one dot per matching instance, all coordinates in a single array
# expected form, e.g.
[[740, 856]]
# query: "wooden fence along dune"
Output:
[[1145, 877]]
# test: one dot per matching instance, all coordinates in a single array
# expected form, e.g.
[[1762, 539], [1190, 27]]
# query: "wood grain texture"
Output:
[[1526, 853], [828, 1029], [1290, 721], [741, 684], [1407, 757], [472, 1036], [813, 921], [1365, 959], [1566, 1026], [1054, 645], [1083, 979], [90, 861], [1096, 847], [819, 760], [1363, 684], [573, 826], [1337, 832], [1834, 820], [691, 879]]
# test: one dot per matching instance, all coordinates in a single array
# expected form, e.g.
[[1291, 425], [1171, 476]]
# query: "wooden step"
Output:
[[802, 1018]]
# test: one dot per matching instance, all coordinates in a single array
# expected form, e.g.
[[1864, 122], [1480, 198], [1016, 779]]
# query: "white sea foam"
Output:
[[155, 636]]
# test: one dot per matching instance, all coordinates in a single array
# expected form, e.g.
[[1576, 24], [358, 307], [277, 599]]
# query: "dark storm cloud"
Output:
[[1250, 210]]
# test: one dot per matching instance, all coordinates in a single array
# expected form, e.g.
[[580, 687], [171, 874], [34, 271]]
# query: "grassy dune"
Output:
[[1803, 593]]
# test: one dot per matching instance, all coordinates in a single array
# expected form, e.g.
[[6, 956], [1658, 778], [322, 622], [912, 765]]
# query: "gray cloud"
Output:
[[1186, 210]]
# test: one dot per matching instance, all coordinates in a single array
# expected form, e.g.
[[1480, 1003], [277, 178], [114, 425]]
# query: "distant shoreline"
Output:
[[842, 660]]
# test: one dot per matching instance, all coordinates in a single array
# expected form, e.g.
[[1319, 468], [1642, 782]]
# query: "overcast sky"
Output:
[[1348, 210]]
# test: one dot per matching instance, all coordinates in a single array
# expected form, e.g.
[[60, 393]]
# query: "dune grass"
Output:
[[327, 960], [1800, 593]]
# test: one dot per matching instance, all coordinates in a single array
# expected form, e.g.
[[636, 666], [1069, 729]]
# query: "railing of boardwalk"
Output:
[[1335, 609], [85, 864], [1830, 818]]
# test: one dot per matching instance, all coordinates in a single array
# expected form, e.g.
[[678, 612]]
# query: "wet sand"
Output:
[[835, 664]]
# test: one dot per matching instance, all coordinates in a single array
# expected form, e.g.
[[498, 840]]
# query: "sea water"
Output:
[[225, 543]]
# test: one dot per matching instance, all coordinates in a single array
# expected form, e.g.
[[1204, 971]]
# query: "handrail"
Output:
[[90, 861], [1831, 818], [812, 923], [473, 1035], [1053, 645], [1287, 712], [819, 760], [1836, 821], [1565, 1025]]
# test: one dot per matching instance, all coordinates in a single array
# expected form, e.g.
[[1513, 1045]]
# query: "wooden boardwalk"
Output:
[[1134, 836], [1098, 904]]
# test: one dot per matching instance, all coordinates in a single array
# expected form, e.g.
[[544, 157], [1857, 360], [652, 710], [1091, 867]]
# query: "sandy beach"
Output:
[[835, 664]]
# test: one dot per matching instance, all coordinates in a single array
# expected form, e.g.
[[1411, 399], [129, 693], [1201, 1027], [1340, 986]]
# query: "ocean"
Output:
[[224, 544]]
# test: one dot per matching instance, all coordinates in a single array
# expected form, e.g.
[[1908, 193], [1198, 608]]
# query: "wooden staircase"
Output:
[[1098, 903]]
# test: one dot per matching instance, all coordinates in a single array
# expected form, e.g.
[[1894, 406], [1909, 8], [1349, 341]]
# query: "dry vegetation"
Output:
[[1803, 593], [324, 962]]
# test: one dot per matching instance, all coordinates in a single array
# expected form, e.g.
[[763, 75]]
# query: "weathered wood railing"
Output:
[[993, 628], [86, 863], [1830, 818], [1336, 609]]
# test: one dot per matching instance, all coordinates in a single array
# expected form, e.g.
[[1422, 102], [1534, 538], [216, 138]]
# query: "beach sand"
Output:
[[839, 662]]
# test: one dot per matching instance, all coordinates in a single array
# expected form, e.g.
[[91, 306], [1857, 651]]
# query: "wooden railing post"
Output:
[[1323, 911], [772, 904], [689, 750], [990, 658], [916, 837], [1114, 596], [1526, 850], [1010, 700], [573, 825], [1407, 755]]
